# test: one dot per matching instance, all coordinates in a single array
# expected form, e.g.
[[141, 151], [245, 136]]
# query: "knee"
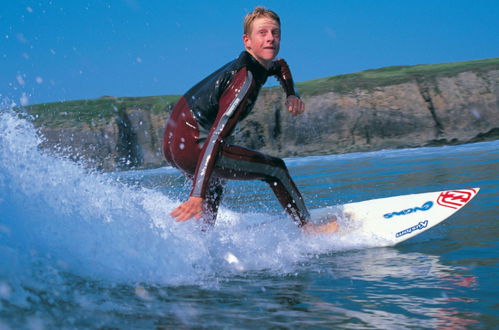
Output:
[[277, 162]]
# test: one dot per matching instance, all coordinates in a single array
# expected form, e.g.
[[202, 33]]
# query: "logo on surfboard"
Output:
[[455, 199], [425, 207], [421, 225]]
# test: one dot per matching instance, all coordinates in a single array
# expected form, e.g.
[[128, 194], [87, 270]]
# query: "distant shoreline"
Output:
[[386, 108]]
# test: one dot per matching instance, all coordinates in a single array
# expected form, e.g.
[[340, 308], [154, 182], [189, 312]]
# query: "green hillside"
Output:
[[393, 75], [96, 111]]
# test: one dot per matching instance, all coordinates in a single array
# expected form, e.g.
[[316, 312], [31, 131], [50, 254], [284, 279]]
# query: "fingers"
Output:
[[193, 207], [295, 105], [183, 214]]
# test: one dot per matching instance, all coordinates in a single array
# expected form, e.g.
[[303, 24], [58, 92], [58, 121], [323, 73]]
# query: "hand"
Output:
[[193, 207], [295, 105]]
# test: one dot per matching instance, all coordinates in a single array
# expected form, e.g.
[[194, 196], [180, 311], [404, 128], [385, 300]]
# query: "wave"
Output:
[[57, 214]]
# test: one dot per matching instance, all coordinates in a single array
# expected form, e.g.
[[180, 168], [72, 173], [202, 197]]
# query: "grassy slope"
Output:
[[94, 112], [100, 111], [393, 75]]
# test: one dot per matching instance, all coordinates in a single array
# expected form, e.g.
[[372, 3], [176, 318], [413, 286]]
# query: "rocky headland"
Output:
[[387, 108]]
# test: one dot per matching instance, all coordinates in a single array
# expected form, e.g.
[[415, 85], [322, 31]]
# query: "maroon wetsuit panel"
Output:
[[181, 139]]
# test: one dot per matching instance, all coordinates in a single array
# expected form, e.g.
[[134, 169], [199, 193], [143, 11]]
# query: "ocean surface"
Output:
[[81, 249]]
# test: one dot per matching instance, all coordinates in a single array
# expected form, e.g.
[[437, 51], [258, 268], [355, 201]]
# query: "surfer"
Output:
[[197, 132]]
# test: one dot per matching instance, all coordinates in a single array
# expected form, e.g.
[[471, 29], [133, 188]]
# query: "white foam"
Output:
[[56, 212]]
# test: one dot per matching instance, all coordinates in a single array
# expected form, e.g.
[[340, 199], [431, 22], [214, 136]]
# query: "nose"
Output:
[[270, 37]]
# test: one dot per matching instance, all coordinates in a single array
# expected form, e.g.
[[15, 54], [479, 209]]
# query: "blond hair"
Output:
[[258, 12]]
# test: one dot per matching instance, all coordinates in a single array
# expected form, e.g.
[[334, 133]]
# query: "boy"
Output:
[[202, 120]]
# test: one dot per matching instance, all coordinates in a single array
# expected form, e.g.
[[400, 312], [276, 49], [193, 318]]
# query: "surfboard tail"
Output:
[[393, 220]]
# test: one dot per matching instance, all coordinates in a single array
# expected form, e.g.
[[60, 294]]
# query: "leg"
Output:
[[240, 163], [170, 128], [212, 200], [180, 140]]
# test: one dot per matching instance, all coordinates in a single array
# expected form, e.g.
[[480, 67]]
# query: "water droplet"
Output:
[[24, 99], [475, 113], [20, 80]]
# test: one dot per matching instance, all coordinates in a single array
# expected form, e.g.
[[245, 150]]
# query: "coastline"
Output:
[[387, 108]]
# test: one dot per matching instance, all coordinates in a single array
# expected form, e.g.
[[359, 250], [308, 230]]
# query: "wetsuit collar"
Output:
[[254, 63], [260, 73]]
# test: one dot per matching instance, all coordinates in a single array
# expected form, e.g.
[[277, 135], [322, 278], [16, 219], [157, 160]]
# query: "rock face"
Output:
[[447, 111], [421, 112], [132, 139]]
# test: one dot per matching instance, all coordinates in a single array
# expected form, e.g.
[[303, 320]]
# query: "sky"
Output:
[[59, 50]]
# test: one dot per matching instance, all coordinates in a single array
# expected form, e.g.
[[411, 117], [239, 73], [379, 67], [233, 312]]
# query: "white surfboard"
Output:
[[396, 219]]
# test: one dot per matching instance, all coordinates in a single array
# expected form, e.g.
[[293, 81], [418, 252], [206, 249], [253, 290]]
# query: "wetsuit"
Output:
[[195, 139]]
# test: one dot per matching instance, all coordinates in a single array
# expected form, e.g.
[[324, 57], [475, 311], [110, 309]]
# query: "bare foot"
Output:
[[325, 228]]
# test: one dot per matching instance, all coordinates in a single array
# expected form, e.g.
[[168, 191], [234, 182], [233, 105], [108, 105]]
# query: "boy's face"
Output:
[[264, 40]]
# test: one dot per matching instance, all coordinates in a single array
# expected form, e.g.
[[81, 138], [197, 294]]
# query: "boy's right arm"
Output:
[[232, 101]]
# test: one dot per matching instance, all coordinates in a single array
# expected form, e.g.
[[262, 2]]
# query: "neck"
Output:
[[264, 63]]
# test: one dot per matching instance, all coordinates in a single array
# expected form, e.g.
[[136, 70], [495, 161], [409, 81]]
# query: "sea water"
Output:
[[84, 249]]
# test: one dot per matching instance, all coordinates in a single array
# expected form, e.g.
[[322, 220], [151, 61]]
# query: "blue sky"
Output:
[[57, 50]]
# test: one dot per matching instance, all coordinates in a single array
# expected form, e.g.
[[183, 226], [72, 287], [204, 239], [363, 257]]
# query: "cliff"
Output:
[[394, 107]]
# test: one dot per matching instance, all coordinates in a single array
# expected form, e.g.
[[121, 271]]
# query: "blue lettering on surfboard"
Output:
[[419, 226], [425, 207]]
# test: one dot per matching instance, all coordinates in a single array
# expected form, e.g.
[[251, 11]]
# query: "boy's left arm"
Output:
[[294, 104]]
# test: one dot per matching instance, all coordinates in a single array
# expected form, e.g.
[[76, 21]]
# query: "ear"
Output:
[[246, 41]]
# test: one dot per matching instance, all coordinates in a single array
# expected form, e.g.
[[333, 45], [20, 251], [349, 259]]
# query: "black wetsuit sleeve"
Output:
[[281, 71]]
